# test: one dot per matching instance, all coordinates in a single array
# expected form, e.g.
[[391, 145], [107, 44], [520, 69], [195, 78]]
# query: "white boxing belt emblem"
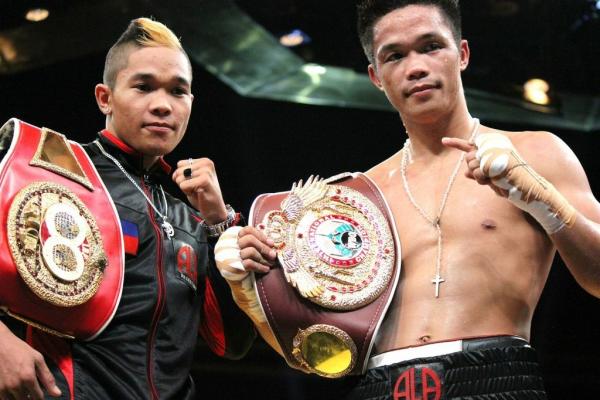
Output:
[[63, 239]]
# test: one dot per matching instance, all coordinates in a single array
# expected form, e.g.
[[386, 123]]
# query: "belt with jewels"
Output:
[[339, 257], [61, 251]]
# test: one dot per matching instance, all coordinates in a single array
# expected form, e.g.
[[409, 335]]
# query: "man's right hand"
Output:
[[241, 250], [256, 250], [23, 371], [238, 252]]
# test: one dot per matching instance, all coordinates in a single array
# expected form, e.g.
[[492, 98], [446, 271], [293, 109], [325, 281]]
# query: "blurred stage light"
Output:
[[314, 69], [8, 53], [37, 14], [294, 38], [536, 91]]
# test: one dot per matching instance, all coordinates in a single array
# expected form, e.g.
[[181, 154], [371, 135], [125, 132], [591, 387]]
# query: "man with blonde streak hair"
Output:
[[480, 214], [172, 290]]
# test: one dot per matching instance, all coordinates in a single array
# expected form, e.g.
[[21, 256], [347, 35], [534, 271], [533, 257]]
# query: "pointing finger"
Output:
[[459, 144]]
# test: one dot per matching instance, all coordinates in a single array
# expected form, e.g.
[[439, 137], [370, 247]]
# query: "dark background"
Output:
[[263, 146]]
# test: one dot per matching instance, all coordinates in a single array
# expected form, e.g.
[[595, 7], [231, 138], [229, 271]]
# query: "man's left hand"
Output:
[[197, 178], [473, 163], [495, 162]]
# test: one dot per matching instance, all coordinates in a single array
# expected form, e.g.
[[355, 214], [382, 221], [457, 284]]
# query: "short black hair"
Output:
[[370, 11]]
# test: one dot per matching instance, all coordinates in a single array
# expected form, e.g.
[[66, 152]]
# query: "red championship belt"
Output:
[[340, 263], [61, 251]]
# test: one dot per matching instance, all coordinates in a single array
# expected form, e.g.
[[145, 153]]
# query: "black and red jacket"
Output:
[[172, 293]]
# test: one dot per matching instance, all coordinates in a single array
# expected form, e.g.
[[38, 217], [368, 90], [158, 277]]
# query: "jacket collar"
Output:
[[131, 157]]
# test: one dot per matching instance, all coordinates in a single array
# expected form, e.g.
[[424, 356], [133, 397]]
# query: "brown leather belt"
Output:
[[340, 263]]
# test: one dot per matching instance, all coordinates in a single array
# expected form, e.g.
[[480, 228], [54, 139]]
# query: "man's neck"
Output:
[[148, 161], [426, 138]]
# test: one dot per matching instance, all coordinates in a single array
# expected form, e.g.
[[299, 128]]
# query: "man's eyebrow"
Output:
[[399, 46], [183, 81], [146, 76], [389, 47], [429, 36], [142, 76]]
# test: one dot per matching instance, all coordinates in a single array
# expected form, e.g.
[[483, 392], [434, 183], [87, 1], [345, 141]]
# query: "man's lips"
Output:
[[421, 88], [158, 126]]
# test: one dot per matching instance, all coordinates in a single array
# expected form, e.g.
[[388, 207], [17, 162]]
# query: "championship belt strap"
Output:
[[61, 251], [339, 258]]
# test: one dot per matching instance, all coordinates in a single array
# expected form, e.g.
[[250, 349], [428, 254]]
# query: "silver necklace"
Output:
[[435, 222], [165, 224]]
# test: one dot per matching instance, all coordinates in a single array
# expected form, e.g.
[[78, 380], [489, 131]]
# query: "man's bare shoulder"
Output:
[[381, 172], [526, 137], [536, 146], [548, 154]]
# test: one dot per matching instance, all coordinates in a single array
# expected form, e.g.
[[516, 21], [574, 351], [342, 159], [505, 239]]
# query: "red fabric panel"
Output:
[[131, 245], [55, 348], [211, 325]]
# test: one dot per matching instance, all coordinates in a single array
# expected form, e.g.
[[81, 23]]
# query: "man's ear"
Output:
[[103, 98], [465, 54], [374, 78]]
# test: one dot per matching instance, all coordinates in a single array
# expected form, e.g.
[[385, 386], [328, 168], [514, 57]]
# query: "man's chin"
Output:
[[160, 146], [425, 112], [158, 151]]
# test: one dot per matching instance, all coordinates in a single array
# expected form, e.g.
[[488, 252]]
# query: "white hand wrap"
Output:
[[227, 255], [229, 264], [527, 190]]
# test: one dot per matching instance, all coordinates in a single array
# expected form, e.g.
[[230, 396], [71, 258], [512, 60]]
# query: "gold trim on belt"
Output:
[[334, 244], [56, 244]]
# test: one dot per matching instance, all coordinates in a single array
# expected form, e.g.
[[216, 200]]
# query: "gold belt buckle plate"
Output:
[[56, 244]]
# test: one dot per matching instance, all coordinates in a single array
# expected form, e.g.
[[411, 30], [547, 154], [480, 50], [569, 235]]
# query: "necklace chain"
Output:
[[436, 221], [166, 225]]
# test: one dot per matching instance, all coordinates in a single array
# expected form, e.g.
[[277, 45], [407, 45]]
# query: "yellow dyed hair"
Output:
[[141, 32]]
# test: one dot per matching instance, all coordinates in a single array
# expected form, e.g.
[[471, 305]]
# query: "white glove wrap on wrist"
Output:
[[229, 264], [227, 255], [526, 189]]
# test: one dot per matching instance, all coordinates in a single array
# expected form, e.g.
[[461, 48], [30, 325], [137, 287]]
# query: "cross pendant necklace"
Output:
[[436, 281], [435, 222]]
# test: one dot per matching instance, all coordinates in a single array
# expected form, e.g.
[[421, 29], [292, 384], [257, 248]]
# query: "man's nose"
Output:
[[417, 68], [160, 103]]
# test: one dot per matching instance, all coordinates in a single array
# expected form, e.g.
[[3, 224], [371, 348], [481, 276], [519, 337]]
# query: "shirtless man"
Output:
[[476, 253]]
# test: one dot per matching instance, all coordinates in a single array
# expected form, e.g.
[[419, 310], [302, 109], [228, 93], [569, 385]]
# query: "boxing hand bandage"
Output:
[[527, 190], [227, 255], [242, 283], [229, 264]]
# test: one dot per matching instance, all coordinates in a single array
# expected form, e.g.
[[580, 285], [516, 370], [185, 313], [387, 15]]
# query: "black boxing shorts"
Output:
[[491, 368]]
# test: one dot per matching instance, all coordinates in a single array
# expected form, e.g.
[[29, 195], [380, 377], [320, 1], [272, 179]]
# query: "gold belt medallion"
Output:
[[334, 244], [56, 244], [324, 350]]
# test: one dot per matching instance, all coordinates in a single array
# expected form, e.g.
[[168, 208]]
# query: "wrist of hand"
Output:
[[216, 216], [215, 230], [244, 295], [543, 202], [227, 256]]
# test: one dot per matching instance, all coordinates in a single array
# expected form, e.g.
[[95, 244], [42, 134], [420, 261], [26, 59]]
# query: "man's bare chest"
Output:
[[471, 212]]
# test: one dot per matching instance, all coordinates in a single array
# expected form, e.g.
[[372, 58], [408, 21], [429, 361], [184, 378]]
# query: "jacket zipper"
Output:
[[160, 302]]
